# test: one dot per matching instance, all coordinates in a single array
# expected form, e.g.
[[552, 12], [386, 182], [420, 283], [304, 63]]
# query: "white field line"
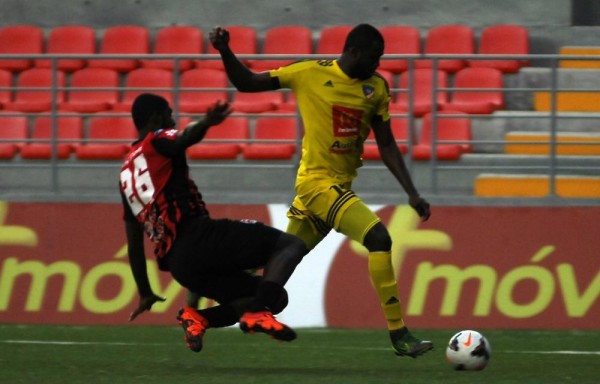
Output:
[[116, 343]]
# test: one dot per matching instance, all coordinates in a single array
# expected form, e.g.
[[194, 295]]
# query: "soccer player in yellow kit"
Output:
[[340, 101]]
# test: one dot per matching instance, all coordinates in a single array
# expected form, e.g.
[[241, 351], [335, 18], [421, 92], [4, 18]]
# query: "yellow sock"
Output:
[[384, 282]]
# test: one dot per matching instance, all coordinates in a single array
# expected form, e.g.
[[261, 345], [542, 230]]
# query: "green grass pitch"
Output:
[[145, 354]]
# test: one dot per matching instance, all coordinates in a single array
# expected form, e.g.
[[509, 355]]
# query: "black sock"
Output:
[[397, 334], [220, 316], [268, 295]]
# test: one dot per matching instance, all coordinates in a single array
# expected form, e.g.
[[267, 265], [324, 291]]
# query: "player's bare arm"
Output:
[[394, 161], [195, 131], [239, 74], [137, 262]]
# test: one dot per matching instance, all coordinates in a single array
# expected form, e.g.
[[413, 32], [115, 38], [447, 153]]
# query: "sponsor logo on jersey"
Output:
[[346, 121]]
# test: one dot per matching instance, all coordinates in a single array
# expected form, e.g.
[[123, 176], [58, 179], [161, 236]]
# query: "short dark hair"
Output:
[[362, 37], [144, 106]]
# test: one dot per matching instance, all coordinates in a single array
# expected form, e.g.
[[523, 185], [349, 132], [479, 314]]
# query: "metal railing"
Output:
[[551, 165]]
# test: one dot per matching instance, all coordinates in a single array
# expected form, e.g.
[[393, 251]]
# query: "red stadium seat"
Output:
[[146, 80], [224, 141], [123, 39], [69, 39], [67, 128], [108, 138], [288, 39], [400, 127], [448, 129], [448, 39], [33, 100], [399, 40], [331, 39], [20, 39], [81, 98], [273, 129], [422, 89], [12, 128], [176, 40], [256, 102], [244, 41], [503, 40], [198, 100], [477, 102], [5, 82]]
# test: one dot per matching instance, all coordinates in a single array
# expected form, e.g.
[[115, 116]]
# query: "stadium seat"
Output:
[[448, 129], [287, 39], [122, 39], [5, 82], [422, 89], [13, 128], [67, 128], [400, 127], [256, 102], [69, 39], [277, 129], [198, 100], [448, 39], [33, 100], [244, 41], [536, 185], [503, 40], [224, 141], [176, 40], [108, 138], [331, 39], [20, 39], [399, 40], [81, 96], [146, 80], [477, 102]]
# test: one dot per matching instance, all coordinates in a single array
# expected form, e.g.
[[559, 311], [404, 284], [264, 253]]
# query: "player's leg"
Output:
[[361, 224]]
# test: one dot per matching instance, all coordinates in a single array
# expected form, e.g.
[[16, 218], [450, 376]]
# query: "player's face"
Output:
[[367, 61], [167, 118]]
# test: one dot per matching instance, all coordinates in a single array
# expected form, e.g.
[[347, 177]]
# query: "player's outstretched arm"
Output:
[[239, 74], [195, 131]]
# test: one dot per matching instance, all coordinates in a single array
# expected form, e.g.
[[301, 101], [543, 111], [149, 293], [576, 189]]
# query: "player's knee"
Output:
[[378, 239]]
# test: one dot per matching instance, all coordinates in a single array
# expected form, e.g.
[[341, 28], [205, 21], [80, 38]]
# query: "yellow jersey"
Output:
[[336, 113]]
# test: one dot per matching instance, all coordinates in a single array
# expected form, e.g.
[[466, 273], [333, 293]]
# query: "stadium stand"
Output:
[[176, 40], [448, 39], [6, 79], [13, 135], [447, 129], [276, 129], [68, 128], [399, 40], [84, 94], [514, 185], [108, 138], [256, 102], [400, 129], [422, 92], [224, 142], [122, 39], [141, 80], [286, 39], [34, 91], [20, 39], [199, 99], [331, 39], [244, 41], [69, 39], [538, 143], [477, 102], [503, 40], [580, 51]]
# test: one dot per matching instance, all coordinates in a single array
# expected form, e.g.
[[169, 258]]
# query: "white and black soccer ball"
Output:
[[468, 351]]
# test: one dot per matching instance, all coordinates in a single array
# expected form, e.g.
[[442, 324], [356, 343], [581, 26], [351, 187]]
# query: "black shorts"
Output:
[[212, 257]]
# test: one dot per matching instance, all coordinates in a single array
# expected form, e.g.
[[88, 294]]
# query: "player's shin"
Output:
[[384, 282]]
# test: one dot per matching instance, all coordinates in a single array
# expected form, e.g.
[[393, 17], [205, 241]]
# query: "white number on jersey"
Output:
[[137, 185]]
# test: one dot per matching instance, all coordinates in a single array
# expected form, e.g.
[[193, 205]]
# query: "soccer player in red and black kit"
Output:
[[209, 257]]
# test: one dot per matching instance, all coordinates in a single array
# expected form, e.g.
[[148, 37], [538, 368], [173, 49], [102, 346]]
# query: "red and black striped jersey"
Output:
[[156, 188]]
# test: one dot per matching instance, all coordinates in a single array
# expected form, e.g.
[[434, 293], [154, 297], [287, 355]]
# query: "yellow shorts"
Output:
[[322, 204]]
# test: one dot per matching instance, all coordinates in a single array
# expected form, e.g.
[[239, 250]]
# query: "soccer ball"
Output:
[[468, 351]]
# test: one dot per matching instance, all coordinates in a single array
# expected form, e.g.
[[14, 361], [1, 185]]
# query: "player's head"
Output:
[[364, 46], [147, 105]]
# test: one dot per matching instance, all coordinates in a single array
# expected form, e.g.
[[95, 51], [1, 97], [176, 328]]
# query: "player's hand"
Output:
[[217, 113], [219, 38], [145, 304], [420, 205]]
